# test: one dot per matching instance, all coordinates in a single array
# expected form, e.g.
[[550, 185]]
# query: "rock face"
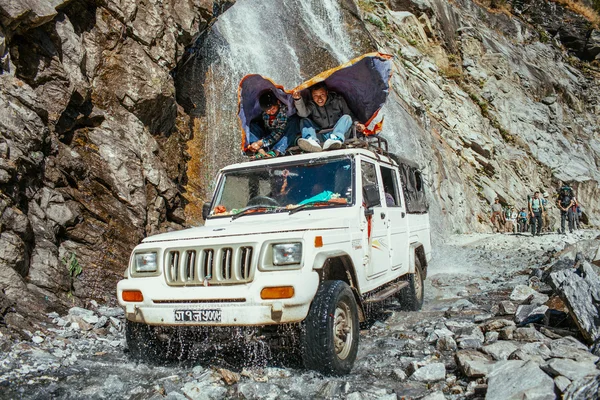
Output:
[[114, 116], [92, 142]]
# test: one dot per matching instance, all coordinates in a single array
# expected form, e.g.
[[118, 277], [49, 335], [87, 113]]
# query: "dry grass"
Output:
[[578, 7]]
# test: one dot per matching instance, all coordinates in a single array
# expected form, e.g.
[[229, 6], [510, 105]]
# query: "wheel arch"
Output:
[[340, 267], [417, 250]]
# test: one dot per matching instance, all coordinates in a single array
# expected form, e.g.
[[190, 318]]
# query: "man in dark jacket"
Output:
[[565, 202], [326, 110]]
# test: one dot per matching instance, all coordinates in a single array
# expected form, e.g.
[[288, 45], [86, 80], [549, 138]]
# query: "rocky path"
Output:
[[467, 342]]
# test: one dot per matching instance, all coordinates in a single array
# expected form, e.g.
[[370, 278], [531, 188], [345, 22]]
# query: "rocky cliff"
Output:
[[114, 115]]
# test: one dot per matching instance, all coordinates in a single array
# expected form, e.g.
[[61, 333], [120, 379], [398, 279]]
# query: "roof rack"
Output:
[[358, 140]]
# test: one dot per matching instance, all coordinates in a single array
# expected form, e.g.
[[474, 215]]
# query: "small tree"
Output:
[[72, 264]]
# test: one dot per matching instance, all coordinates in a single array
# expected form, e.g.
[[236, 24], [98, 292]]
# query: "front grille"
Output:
[[209, 266]]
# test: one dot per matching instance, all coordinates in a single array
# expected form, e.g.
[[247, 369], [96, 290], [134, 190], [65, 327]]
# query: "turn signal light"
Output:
[[132, 295], [318, 241], [280, 292]]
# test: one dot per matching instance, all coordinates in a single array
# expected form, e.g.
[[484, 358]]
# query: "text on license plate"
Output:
[[198, 315]]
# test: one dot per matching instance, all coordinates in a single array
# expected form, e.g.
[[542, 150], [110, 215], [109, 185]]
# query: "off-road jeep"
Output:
[[306, 241]]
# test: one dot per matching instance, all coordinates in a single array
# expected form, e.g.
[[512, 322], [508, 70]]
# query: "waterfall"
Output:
[[288, 41]]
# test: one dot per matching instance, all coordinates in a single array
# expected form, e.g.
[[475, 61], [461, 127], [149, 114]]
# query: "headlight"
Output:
[[146, 262], [287, 254]]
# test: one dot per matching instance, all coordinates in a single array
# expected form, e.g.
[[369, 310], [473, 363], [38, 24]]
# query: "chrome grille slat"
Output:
[[227, 265]]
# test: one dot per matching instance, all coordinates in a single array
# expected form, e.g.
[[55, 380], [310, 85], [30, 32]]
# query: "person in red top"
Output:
[[272, 133]]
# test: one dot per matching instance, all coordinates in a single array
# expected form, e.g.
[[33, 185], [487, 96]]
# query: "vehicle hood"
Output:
[[249, 226]]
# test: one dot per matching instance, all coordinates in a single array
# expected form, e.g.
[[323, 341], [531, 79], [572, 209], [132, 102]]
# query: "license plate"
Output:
[[197, 315]]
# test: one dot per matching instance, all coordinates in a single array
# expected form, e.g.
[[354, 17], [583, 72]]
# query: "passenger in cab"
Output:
[[326, 110], [272, 133]]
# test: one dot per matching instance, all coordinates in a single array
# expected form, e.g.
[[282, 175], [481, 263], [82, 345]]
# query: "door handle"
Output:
[[382, 215]]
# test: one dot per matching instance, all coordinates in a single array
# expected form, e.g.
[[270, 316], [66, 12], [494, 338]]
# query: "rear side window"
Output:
[[390, 187]]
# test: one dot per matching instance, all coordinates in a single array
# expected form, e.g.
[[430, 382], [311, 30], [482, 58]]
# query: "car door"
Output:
[[397, 220], [378, 249]]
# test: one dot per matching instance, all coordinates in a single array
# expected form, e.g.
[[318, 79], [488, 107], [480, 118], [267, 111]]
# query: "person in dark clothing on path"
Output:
[[326, 110], [271, 135], [536, 208], [565, 204]]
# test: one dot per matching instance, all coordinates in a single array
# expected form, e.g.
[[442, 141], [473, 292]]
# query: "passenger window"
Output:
[[369, 174], [390, 187]]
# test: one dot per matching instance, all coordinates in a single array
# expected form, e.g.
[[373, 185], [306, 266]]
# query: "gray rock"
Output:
[[399, 374], [529, 335], [474, 364], [500, 350], [536, 350], [491, 337], [584, 388], [506, 308], [507, 332], [518, 380], [523, 293], [469, 343], [446, 343], [569, 347], [434, 396], [527, 314], [430, 373], [497, 324], [561, 383], [571, 369], [581, 293]]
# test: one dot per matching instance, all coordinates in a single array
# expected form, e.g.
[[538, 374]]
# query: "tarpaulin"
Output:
[[364, 82]]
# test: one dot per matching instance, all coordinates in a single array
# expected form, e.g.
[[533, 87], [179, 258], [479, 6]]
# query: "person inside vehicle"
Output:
[[272, 133], [325, 110]]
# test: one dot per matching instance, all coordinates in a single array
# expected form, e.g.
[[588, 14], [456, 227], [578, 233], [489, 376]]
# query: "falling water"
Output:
[[286, 41]]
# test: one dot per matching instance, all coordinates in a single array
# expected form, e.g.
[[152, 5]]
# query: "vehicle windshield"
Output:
[[281, 188]]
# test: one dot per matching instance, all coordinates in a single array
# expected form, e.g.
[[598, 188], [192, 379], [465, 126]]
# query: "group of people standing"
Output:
[[325, 118], [536, 215]]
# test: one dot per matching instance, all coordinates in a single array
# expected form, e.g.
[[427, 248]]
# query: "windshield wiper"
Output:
[[245, 211], [313, 203]]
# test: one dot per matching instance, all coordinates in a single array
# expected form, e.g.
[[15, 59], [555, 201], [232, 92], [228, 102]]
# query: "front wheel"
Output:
[[330, 336], [411, 298]]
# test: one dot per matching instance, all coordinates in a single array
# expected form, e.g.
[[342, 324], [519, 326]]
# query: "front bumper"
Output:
[[239, 305]]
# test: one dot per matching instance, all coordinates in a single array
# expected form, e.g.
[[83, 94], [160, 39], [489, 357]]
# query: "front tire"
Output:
[[412, 296], [329, 339]]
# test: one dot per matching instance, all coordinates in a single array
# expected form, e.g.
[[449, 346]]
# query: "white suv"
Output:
[[305, 240]]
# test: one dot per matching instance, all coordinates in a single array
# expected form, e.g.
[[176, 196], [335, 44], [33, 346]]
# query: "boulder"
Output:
[[580, 290], [519, 380]]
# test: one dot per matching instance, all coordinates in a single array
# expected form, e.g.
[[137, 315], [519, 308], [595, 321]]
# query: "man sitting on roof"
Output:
[[271, 135], [326, 110]]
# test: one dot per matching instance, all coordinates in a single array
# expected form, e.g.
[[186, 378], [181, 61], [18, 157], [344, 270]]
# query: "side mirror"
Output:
[[205, 210], [371, 195]]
